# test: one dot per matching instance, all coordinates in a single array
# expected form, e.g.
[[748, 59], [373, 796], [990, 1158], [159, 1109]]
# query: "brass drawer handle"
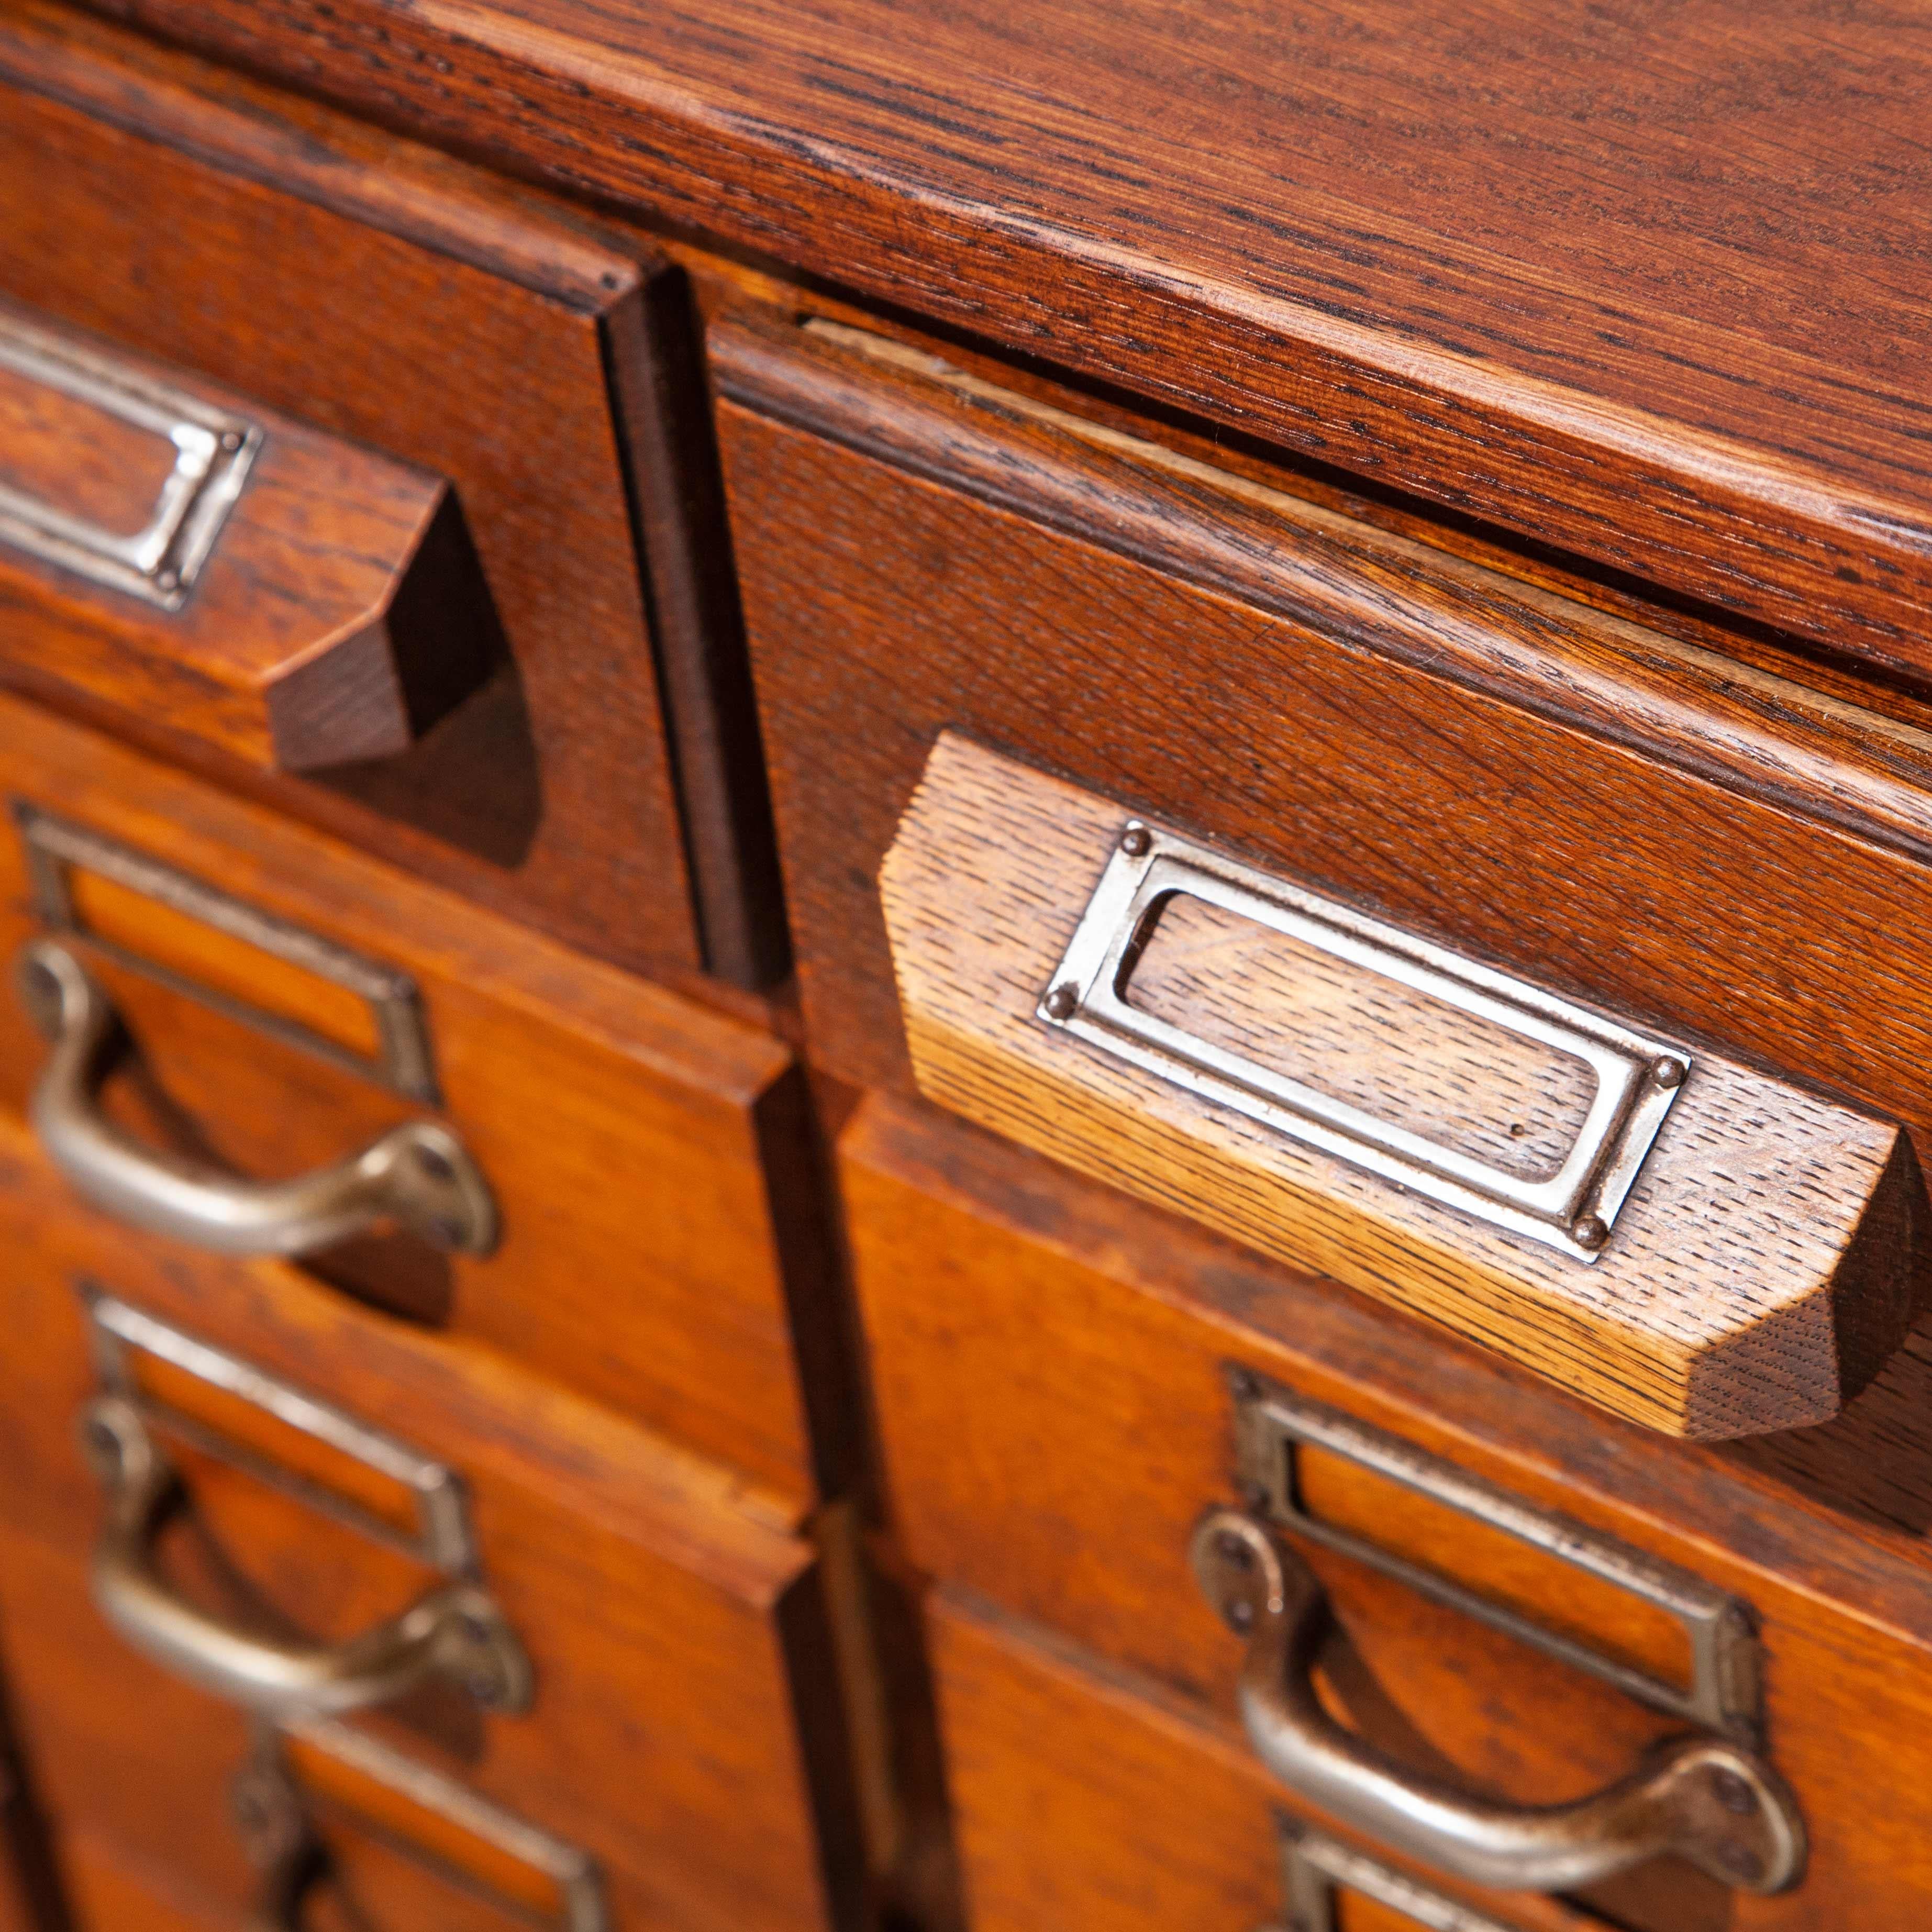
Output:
[[1699, 1798], [418, 1174], [454, 1631]]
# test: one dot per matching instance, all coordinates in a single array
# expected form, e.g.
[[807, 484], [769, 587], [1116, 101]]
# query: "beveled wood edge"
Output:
[[1764, 736], [388, 182]]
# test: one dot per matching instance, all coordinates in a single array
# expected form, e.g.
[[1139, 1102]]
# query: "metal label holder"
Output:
[[213, 451], [1315, 1867], [273, 1812], [1725, 1693], [444, 1538], [55, 846], [1638, 1078]]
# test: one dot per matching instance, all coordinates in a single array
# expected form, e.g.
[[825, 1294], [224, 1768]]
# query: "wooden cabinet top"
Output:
[[1647, 282]]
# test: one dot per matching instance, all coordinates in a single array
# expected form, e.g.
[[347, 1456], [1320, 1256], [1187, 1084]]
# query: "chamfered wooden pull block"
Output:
[[1688, 1242], [170, 551]]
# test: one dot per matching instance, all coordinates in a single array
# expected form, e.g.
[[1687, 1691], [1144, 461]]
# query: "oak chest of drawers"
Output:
[[967, 967]]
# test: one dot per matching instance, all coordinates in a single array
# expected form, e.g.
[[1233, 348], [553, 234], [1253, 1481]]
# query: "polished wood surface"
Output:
[[1769, 1260], [1607, 814], [1050, 1368], [675, 1627], [1642, 287], [1466, 458], [496, 338], [339, 615], [645, 1154]]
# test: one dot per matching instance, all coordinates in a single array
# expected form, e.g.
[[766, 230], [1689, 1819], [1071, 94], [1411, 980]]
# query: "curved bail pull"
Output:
[[419, 1174], [455, 1631], [1700, 1798]]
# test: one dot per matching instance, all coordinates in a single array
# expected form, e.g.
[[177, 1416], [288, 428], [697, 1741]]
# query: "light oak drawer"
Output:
[[532, 370], [639, 1671], [1069, 1388], [1065, 666], [287, 1001]]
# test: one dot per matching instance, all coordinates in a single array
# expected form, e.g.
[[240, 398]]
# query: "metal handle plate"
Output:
[[213, 449], [1637, 1078], [417, 1175], [1703, 1799], [454, 1630]]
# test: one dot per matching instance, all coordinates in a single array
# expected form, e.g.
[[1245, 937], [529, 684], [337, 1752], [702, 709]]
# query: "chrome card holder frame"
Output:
[[214, 450], [1638, 1077]]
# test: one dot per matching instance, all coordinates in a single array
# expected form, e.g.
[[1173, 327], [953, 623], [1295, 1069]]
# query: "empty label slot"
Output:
[[1396, 1053]]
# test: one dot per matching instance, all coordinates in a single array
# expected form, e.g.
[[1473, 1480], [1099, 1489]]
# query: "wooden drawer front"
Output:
[[635, 1145], [527, 356], [1082, 1799], [107, 1890], [1606, 813], [1053, 1374], [680, 1727]]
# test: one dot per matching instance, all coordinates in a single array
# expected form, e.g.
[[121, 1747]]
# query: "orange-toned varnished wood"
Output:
[[684, 1726], [647, 1156], [1051, 1370], [1767, 1262], [1644, 287], [1613, 811], [338, 616], [1086, 1797], [108, 1889], [496, 338]]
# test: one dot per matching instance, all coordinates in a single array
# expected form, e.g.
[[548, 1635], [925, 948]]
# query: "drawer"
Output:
[[1066, 1782], [613, 1192], [1089, 691], [490, 716], [503, 1632], [1068, 1387]]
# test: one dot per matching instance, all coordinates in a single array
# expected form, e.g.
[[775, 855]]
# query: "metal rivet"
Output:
[[1734, 1792], [167, 579], [1587, 1231], [1135, 840], [231, 440], [1668, 1072], [1061, 1002], [1240, 1615]]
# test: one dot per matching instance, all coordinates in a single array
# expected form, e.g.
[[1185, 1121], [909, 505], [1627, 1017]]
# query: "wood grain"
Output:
[[1766, 1263], [674, 1624], [339, 616], [1643, 290], [1613, 811], [494, 337], [1050, 1366], [657, 1249]]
